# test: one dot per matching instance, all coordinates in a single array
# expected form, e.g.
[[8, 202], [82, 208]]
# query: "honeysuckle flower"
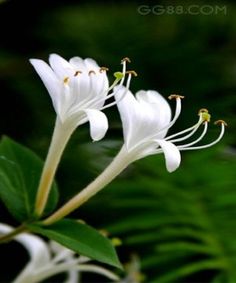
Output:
[[146, 119], [78, 89], [49, 259]]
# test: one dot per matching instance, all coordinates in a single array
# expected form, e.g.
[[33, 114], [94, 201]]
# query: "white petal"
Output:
[[158, 106], [37, 249], [91, 64], [99, 81], [98, 123], [142, 117], [129, 112], [81, 86], [61, 67], [171, 153], [47, 76], [78, 63]]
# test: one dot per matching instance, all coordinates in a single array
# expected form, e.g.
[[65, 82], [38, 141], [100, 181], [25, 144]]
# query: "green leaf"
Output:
[[20, 171], [80, 238]]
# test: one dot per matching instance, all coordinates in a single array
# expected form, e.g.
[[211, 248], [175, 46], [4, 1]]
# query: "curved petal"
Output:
[[129, 112], [99, 81], [171, 153], [161, 111], [98, 123], [91, 64], [81, 85], [142, 117], [47, 76], [78, 64], [61, 67]]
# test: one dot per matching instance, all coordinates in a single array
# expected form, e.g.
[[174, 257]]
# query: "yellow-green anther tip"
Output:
[[118, 75], [206, 117]]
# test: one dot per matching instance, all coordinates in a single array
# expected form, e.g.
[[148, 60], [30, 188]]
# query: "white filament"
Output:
[[209, 144], [198, 139]]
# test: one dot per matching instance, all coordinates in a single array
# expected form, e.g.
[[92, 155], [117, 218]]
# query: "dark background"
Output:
[[175, 52]]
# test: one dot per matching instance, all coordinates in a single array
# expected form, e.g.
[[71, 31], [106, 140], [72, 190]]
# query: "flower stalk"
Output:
[[119, 163], [59, 140]]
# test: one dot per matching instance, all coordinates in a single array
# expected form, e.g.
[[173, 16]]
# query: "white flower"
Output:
[[78, 89], [47, 260], [146, 119]]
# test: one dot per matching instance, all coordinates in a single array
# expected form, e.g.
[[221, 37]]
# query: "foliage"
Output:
[[182, 225], [20, 170], [80, 238]]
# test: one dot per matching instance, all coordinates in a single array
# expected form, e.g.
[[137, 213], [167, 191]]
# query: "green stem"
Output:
[[119, 163], [60, 138], [8, 237]]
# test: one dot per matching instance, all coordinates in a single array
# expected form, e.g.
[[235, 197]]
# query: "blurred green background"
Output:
[[181, 226]]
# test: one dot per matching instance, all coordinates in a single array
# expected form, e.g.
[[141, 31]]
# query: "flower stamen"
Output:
[[122, 96], [103, 69], [66, 80], [198, 139], [177, 112], [223, 124], [126, 59], [204, 114], [119, 76], [123, 62], [203, 110], [91, 72], [132, 72], [220, 122], [172, 96], [77, 73], [193, 129]]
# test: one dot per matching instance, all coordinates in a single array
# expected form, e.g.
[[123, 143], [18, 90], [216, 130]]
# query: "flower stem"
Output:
[[8, 237], [59, 140], [119, 163]]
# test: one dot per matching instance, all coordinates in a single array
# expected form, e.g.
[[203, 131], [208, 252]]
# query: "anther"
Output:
[[102, 69], [126, 59], [175, 96], [91, 72], [132, 72], [202, 110], [220, 122], [77, 72], [66, 80], [204, 114]]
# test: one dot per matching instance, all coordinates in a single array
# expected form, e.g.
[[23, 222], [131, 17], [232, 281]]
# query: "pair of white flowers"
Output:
[[79, 90]]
